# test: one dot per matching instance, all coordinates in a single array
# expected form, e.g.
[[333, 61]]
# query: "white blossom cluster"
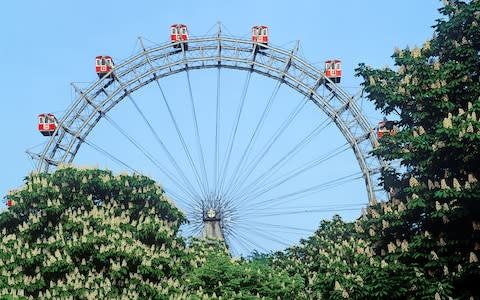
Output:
[[329, 257], [91, 251], [71, 256]]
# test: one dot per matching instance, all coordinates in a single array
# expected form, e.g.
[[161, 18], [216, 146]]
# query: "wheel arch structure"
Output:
[[153, 63]]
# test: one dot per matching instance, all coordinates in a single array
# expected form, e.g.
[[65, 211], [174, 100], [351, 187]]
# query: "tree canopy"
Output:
[[87, 233], [433, 98], [90, 234]]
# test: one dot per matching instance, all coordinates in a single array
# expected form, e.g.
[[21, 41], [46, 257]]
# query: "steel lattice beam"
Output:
[[151, 64]]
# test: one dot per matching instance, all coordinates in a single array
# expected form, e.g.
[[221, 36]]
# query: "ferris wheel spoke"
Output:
[[306, 211], [237, 244], [195, 226], [259, 188], [288, 156], [271, 141], [189, 203], [174, 121], [111, 156], [305, 167], [253, 138], [279, 226], [172, 160], [181, 138], [233, 133], [248, 241], [192, 229], [275, 207], [274, 202], [189, 190], [308, 192], [248, 245], [197, 135], [195, 216], [198, 228], [270, 236]]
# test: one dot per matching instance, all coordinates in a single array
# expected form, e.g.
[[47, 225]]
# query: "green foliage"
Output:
[[435, 208], [220, 275], [87, 233], [337, 263], [84, 234]]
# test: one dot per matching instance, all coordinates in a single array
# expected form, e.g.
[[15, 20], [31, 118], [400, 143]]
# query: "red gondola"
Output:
[[8, 200], [179, 33], [385, 127], [47, 124], [333, 70], [260, 34], [103, 65]]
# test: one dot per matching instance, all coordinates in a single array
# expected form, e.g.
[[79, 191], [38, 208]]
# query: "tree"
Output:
[[217, 274], [433, 97], [338, 263], [89, 234]]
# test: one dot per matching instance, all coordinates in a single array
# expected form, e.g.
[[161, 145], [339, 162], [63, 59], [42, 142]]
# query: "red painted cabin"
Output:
[[385, 127], [178, 33], [47, 124], [103, 65], [9, 200], [333, 70], [260, 34]]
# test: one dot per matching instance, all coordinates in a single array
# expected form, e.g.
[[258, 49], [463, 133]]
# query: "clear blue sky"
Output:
[[46, 45]]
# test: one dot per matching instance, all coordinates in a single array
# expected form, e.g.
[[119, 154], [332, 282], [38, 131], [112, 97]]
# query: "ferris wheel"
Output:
[[245, 137]]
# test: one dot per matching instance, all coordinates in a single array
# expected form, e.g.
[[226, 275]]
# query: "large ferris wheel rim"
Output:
[[154, 63]]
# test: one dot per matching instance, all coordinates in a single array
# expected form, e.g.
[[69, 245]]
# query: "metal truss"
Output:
[[151, 64]]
